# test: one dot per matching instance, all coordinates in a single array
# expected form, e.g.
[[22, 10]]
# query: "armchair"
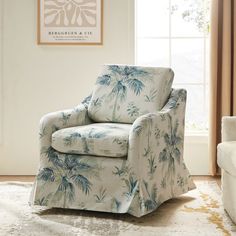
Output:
[[120, 150], [226, 159]]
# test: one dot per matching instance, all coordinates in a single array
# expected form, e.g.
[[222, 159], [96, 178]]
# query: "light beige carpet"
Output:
[[198, 212]]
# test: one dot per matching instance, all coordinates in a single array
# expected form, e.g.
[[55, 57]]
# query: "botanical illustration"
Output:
[[150, 171], [71, 13], [68, 173], [120, 80], [170, 155], [150, 202], [102, 139], [101, 195], [92, 134]]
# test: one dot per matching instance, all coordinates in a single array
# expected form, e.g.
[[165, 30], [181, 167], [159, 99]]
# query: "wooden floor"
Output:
[[23, 178], [30, 178], [205, 178]]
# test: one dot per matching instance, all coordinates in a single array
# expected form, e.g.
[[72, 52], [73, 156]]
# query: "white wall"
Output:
[[196, 153], [40, 79]]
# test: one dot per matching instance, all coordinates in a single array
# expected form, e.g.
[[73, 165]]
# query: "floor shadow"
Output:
[[161, 216]]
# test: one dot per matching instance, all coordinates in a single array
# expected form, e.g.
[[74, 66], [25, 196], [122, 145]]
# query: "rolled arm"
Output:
[[154, 134], [228, 128], [54, 121]]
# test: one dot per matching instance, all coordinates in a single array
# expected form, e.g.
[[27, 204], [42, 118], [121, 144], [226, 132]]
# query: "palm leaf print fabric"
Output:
[[123, 93], [100, 139], [148, 170]]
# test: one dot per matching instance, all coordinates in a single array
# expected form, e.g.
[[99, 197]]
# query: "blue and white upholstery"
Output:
[[120, 150]]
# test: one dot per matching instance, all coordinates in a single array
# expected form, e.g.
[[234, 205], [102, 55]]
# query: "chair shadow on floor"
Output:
[[160, 217]]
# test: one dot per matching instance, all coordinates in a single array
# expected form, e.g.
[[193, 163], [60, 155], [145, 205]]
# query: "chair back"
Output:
[[123, 93]]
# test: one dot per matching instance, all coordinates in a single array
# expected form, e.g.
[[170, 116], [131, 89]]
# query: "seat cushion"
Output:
[[226, 156], [100, 139], [123, 93]]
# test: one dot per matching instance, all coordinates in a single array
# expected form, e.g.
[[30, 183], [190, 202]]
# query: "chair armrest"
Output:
[[228, 129], [155, 134], [54, 121]]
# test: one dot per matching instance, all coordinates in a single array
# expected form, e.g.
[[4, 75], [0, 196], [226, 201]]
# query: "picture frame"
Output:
[[70, 22]]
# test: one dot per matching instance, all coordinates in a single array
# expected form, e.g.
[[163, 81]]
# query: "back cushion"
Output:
[[123, 93]]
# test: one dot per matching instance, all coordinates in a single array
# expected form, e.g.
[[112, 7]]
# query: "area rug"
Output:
[[198, 212]]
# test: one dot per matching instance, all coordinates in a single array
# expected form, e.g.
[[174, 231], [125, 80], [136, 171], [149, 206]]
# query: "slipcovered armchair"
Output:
[[226, 159], [120, 150]]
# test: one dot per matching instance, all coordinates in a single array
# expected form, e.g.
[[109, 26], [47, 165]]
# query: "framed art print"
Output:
[[70, 21]]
